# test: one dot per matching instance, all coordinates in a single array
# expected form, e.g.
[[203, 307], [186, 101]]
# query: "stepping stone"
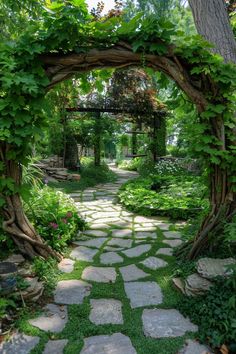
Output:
[[82, 253], [161, 323], [194, 347], [99, 274], [172, 234], [97, 233], [165, 251], [173, 243], [143, 234], [145, 229], [19, 344], [66, 265], [122, 233], [116, 343], [143, 293], [112, 248], [54, 319], [137, 251], [163, 226], [55, 346], [98, 227], [154, 263], [212, 267], [106, 311], [132, 272], [97, 242], [110, 258], [120, 242], [71, 292], [196, 285]]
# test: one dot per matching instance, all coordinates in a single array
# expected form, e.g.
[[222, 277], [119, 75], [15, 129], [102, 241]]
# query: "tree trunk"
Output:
[[16, 222], [212, 22]]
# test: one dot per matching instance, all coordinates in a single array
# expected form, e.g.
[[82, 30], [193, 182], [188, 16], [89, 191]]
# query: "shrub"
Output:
[[215, 313], [54, 215], [47, 271]]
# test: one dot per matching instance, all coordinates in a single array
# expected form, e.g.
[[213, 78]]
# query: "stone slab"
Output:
[[110, 258], [66, 265], [137, 251], [194, 347], [55, 346], [172, 234], [106, 311], [196, 285], [19, 344], [165, 251], [82, 253], [163, 226], [173, 243], [116, 343], [120, 242], [212, 267], [162, 323], [132, 272], [71, 292], [97, 242], [154, 263], [53, 320], [99, 274], [145, 234], [97, 233], [122, 233], [143, 293]]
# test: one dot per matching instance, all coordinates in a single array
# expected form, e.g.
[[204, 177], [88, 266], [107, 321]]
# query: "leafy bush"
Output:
[[177, 197], [54, 215], [47, 271], [230, 233], [215, 313]]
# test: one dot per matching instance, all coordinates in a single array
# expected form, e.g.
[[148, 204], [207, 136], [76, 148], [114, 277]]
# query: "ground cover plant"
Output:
[[169, 189]]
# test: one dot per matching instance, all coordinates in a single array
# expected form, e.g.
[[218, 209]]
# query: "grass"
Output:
[[90, 176], [79, 326]]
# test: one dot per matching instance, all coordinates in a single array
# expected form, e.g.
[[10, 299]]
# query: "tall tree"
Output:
[[212, 22]]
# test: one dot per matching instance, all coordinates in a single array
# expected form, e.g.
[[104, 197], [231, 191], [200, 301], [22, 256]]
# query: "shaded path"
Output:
[[115, 294]]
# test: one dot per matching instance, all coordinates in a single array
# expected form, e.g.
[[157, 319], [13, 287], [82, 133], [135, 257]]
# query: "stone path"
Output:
[[118, 248]]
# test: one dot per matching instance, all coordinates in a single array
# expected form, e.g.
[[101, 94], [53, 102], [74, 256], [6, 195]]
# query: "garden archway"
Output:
[[204, 78]]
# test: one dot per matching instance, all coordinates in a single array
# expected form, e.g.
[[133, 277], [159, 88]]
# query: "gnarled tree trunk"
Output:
[[16, 222]]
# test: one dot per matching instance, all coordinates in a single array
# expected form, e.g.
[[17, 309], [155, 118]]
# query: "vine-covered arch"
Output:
[[38, 61]]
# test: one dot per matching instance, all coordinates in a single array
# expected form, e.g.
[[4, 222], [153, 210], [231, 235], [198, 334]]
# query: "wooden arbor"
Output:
[[158, 128]]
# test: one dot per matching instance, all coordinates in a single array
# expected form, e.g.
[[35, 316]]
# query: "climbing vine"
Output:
[[66, 40]]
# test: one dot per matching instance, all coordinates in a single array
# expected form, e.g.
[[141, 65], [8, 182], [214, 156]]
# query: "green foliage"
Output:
[[230, 234], [47, 272], [54, 215], [5, 305], [214, 313], [168, 190]]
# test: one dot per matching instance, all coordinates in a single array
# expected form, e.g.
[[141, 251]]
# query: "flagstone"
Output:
[[19, 343], [97, 242], [122, 233], [54, 319], [173, 243], [172, 234], [110, 258], [82, 253], [154, 263], [71, 292], [132, 272], [55, 346], [97, 233], [116, 343], [66, 265], [106, 311], [120, 242], [145, 234], [162, 323], [99, 274], [165, 251], [145, 293], [137, 251]]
